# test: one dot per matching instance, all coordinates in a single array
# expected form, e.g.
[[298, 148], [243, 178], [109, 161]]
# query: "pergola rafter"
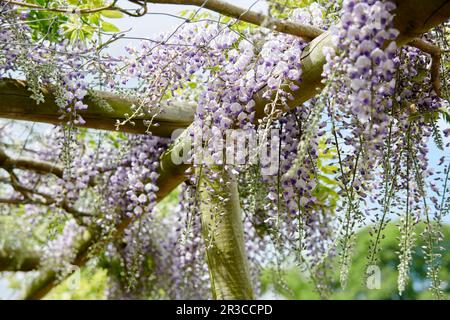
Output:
[[103, 112]]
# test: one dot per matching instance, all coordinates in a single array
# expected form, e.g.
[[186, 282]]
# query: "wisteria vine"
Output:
[[356, 155]]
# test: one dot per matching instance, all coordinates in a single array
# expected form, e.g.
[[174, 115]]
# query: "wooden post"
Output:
[[223, 233]]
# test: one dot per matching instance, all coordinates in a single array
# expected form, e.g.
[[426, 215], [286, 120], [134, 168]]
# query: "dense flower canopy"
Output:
[[295, 175]]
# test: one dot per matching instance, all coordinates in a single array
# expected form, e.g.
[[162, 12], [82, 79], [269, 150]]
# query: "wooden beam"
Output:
[[15, 103], [12, 259]]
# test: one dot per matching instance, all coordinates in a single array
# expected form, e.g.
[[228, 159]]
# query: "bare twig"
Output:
[[30, 195], [33, 196], [13, 200], [73, 10], [8, 163], [305, 31], [435, 53]]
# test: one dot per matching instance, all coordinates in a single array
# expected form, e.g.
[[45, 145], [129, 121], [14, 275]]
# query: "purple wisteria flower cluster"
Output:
[[360, 79], [361, 70], [378, 98], [292, 218], [64, 66], [357, 152], [61, 251]]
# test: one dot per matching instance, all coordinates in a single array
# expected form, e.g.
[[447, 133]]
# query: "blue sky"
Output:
[[154, 23]]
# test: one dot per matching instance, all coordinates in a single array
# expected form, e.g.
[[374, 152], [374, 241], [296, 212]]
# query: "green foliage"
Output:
[[325, 191], [14, 236], [87, 284], [282, 9], [14, 227], [239, 27], [167, 205], [76, 27], [300, 287], [445, 114], [109, 27]]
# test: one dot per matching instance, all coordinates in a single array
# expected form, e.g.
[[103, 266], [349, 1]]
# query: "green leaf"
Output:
[[327, 180], [74, 36], [445, 114], [329, 169], [94, 19], [420, 75], [112, 14], [192, 85], [109, 27], [81, 36]]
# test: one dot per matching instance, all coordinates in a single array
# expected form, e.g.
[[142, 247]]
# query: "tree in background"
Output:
[[298, 286]]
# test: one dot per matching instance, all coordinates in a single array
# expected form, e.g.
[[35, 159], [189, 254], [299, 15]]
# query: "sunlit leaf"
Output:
[[112, 14], [109, 27]]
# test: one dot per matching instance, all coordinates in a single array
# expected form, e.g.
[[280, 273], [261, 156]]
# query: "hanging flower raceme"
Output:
[[61, 251], [360, 82], [359, 151], [63, 66], [361, 71]]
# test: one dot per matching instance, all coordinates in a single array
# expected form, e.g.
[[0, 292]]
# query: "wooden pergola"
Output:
[[226, 256]]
